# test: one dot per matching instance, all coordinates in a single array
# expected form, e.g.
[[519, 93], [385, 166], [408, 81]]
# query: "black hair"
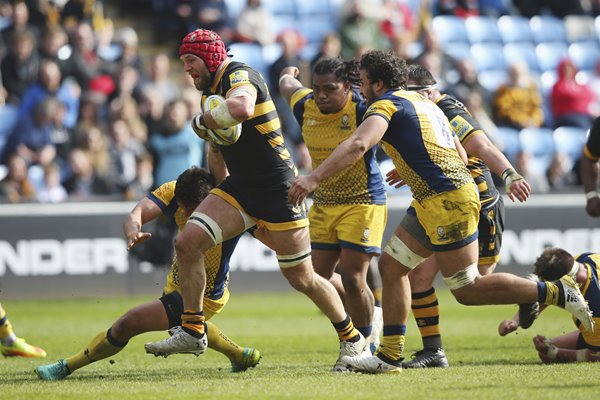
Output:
[[553, 264], [344, 71], [192, 186], [386, 67], [420, 75]]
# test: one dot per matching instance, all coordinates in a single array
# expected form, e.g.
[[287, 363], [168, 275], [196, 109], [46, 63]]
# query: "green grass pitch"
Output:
[[298, 346]]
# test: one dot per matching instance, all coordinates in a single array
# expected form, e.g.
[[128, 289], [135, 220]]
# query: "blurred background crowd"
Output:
[[95, 105]]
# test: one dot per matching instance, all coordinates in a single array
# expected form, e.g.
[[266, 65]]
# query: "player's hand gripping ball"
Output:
[[223, 136]]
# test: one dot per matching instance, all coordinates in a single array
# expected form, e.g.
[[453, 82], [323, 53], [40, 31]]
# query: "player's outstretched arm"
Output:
[[144, 211], [478, 145], [289, 83]]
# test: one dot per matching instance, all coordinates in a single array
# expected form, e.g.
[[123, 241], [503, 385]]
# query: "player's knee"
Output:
[[354, 282], [462, 285]]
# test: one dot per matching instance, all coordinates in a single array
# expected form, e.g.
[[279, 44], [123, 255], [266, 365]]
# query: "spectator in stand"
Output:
[[123, 151], [474, 104], [52, 191], [84, 59], [19, 24], [254, 24], [54, 47], [152, 109], [572, 103], [159, 79], [92, 110], [127, 39], [93, 141], [399, 21], [31, 138], [129, 83], [175, 147], [559, 8], [144, 178], [16, 186], [51, 84], [360, 27], [432, 50], [331, 47], [518, 103], [467, 82], [460, 8], [77, 11], [85, 183], [292, 43], [213, 15], [192, 99], [126, 109], [20, 67]]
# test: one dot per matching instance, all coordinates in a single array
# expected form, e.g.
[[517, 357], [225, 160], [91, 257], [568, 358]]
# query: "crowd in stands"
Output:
[[84, 114]]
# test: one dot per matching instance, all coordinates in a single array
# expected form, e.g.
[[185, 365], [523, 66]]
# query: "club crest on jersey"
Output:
[[345, 123], [238, 77], [365, 235]]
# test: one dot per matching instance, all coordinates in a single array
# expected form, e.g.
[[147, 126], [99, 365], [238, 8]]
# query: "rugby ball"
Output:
[[223, 136]]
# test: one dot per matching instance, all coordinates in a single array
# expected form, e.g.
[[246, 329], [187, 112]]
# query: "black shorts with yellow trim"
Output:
[[268, 207]]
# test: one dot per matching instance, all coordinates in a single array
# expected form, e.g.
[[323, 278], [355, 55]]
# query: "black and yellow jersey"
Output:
[[360, 183], [420, 142], [464, 127], [592, 146], [259, 159], [216, 260], [591, 293]]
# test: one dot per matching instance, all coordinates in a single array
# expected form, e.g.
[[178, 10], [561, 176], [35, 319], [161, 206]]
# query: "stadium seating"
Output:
[[9, 115], [547, 28], [570, 141], [482, 30], [539, 143], [514, 28], [509, 142], [547, 80], [313, 7], [315, 28], [521, 51], [488, 56], [585, 55], [580, 28], [284, 21], [449, 29], [460, 51], [492, 79], [251, 54], [235, 7], [278, 7], [549, 55]]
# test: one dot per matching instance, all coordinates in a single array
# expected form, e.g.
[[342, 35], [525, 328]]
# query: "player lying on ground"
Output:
[[180, 198], [13, 346], [573, 346]]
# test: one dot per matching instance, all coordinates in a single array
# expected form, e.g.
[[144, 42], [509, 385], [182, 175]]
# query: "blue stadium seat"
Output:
[[521, 51], [458, 50], [235, 7], [547, 28], [488, 56], [585, 55], [482, 29], [282, 22], [539, 143], [492, 79], [313, 7], [449, 29], [569, 141], [514, 28], [549, 55], [9, 115], [580, 28], [547, 80], [315, 28], [509, 142], [280, 7], [251, 54], [271, 53]]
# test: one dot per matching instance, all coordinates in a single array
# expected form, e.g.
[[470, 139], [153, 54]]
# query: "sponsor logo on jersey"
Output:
[[238, 77]]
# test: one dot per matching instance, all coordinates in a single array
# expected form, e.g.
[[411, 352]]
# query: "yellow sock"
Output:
[[426, 311], [392, 347], [99, 348], [5, 325], [218, 341]]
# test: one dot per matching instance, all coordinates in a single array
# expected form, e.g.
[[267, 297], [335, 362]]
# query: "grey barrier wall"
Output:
[[78, 249]]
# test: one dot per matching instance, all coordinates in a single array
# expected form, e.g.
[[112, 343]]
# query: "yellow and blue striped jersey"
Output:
[[420, 142], [216, 260], [361, 183], [591, 293], [259, 159], [464, 127]]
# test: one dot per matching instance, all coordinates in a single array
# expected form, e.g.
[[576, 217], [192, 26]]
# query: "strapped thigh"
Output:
[[208, 225]]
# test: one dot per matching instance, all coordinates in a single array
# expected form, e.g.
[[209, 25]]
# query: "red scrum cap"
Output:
[[205, 44]]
